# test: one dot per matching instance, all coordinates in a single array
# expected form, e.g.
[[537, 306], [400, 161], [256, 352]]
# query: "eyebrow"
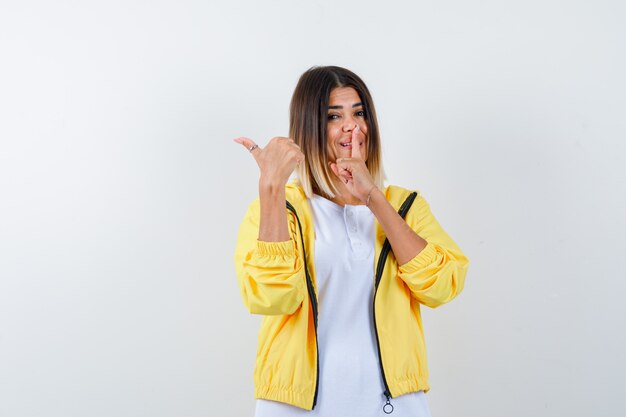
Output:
[[341, 107]]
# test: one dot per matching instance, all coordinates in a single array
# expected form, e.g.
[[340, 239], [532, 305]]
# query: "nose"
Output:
[[348, 124]]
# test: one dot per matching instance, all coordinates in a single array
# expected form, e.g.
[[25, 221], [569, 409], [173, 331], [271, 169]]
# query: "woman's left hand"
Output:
[[353, 172]]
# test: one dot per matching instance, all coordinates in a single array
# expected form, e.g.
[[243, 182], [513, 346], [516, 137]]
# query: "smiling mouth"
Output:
[[348, 144]]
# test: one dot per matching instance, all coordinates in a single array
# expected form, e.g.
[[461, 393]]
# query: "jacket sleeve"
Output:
[[270, 275], [437, 274]]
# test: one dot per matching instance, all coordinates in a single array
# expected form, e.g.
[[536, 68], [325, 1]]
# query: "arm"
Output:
[[436, 273], [405, 243], [273, 227], [269, 270], [430, 263], [270, 275], [276, 163]]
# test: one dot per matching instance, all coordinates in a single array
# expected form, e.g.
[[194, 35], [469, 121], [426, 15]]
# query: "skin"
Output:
[[281, 155], [347, 123]]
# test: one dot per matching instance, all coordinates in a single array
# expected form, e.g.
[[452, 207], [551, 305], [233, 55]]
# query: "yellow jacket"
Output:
[[275, 283]]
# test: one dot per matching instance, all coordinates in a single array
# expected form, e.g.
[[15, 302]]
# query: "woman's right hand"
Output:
[[276, 161]]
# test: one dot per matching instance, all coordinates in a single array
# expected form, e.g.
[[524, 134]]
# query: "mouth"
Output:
[[348, 145]]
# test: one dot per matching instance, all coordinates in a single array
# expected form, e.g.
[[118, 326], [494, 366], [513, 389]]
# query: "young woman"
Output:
[[338, 264]]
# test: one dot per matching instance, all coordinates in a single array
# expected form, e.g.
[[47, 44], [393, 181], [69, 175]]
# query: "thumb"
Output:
[[247, 143]]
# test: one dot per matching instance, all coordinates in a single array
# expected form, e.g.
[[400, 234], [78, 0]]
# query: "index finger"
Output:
[[356, 147]]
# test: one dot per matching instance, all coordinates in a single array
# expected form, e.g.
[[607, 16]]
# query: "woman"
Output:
[[338, 264]]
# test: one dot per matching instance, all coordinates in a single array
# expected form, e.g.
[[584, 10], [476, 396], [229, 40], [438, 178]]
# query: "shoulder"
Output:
[[396, 195], [295, 193]]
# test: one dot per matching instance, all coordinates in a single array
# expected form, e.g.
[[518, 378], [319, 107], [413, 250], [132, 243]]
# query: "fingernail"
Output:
[[238, 140]]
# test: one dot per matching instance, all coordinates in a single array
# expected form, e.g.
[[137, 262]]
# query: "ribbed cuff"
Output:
[[286, 248], [421, 260]]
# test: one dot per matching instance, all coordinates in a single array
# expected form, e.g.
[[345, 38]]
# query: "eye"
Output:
[[333, 116], [361, 113]]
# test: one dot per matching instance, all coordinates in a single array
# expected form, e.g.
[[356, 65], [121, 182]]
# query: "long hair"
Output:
[[308, 118]]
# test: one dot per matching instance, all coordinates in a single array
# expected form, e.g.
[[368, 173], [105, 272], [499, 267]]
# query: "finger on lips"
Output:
[[356, 146]]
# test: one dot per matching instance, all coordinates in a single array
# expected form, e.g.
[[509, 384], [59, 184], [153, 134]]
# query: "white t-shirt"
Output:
[[350, 382]]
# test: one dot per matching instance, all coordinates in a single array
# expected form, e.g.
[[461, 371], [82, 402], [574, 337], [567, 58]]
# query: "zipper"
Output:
[[388, 407], [384, 252], [313, 298]]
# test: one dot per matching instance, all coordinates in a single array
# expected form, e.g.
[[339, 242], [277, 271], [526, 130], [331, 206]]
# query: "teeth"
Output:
[[346, 144]]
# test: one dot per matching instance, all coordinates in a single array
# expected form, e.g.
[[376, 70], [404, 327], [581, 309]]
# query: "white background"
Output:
[[121, 192]]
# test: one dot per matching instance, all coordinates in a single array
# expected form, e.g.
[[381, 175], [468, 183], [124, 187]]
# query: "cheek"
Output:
[[331, 132], [330, 151], [330, 148], [332, 135], [367, 142], [363, 127]]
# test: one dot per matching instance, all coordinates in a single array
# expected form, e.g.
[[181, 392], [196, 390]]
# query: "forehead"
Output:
[[343, 95]]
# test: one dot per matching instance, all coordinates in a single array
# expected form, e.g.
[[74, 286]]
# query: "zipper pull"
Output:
[[388, 407]]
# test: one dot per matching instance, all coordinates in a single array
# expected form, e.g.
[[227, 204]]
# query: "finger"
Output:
[[294, 145], [340, 172], [345, 177], [356, 145], [247, 143], [297, 156], [345, 164]]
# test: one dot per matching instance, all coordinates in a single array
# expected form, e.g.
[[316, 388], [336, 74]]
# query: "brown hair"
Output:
[[308, 117]]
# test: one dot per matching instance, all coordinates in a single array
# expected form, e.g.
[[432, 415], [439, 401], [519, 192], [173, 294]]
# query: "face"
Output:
[[345, 110]]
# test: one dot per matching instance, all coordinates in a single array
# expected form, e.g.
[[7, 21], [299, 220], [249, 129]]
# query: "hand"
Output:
[[353, 172], [276, 161]]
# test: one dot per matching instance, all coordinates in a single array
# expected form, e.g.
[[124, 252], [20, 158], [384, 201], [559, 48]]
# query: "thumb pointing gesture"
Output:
[[277, 160], [249, 145]]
